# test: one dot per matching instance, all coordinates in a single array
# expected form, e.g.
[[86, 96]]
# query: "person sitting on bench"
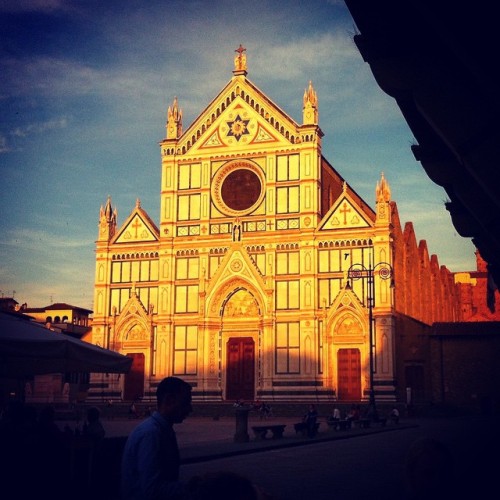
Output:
[[394, 415], [334, 417], [310, 419]]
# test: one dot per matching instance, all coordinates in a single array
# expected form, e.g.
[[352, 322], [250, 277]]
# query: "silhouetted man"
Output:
[[150, 463]]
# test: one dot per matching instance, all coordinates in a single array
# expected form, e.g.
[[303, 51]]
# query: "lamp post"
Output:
[[359, 271]]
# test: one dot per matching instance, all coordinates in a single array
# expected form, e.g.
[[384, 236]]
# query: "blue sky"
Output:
[[84, 90]]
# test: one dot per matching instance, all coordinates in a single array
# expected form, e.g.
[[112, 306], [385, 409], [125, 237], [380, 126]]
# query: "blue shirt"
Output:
[[150, 462]]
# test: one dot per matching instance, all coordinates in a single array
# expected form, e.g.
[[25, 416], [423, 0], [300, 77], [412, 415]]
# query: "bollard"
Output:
[[241, 435]]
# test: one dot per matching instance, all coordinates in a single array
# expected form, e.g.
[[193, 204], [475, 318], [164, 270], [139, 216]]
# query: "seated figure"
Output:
[[335, 416], [394, 415]]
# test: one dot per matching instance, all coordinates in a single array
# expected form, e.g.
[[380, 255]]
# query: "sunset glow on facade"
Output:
[[241, 288]]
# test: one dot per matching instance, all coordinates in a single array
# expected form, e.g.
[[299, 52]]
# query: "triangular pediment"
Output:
[[346, 318], [137, 227], [346, 300], [236, 265], [241, 115], [133, 322], [345, 213]]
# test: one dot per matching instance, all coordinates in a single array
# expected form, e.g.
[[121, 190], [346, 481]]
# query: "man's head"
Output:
[[173, 396]]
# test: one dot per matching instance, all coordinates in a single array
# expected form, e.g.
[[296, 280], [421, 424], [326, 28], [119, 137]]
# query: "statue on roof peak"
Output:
[[240, 61]]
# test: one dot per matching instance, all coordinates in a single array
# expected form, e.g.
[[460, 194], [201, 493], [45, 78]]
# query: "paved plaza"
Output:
[[335, 465]]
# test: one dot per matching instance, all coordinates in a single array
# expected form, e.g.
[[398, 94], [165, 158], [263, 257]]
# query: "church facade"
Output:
[[267, 276]]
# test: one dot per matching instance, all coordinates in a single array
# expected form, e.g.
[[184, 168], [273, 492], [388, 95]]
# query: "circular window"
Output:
[[238, 188], [241, 189]]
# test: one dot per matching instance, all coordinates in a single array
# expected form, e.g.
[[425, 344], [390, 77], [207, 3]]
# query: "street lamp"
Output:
[[359, 271]]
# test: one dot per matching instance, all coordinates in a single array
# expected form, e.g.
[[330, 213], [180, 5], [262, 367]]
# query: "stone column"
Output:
[[241, 435]]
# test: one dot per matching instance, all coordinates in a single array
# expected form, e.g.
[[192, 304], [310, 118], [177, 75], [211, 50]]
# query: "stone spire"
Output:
[[310, 109], [383, 198], [107, 221], [174, 121], [383, 191], [240, 61]]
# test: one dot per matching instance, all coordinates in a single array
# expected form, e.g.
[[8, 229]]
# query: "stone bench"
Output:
[[365, 423], [362, 423], [301, 427], [339, 425], [260, 431]]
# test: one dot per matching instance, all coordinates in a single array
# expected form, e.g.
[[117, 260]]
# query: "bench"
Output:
[[344, 425], [301, 427], [260, 431], [339, 425], [362, 423]]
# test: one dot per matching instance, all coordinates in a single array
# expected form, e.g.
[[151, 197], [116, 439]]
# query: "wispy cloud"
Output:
[[33, 239], [35, 5], [4, 146], [46, 76], [40, 128], [322, 53]]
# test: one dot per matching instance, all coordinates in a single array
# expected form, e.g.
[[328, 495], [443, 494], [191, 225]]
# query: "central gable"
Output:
[[240, 116]]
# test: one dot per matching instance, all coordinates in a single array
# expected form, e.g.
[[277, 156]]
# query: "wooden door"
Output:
[[134, 379], [349, 375], [240, 373]]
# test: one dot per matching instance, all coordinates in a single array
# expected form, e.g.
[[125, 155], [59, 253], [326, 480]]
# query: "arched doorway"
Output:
[[240, 333]]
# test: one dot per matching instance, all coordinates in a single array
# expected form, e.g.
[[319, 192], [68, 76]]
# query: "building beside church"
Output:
[[263, 274], [479, 295], [61, 317]]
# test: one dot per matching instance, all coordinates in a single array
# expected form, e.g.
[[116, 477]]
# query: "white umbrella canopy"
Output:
[[28, 348]]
